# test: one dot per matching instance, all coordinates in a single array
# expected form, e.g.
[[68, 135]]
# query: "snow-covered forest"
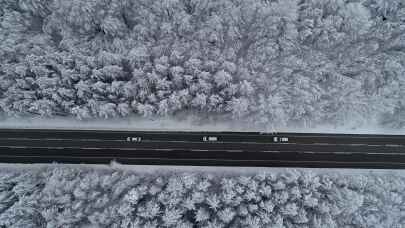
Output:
[[284, 62], [93, 197]]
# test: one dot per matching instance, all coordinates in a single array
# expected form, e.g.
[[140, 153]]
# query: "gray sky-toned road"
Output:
[[202, 148]]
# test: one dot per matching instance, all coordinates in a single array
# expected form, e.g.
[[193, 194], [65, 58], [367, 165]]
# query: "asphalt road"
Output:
[[203, 148]]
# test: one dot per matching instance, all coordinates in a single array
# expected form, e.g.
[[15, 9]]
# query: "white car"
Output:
[[280, 139], [210, 139], [134, 139]]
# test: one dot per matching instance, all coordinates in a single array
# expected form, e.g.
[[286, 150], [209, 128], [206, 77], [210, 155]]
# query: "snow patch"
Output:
[[171, 124]]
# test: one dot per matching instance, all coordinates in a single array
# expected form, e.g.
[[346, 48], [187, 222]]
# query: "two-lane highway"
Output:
[[202, 148]]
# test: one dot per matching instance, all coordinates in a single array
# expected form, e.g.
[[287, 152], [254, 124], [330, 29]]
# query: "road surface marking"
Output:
[[393, 145], [342, 153], [234, 151], [65, 139], [200, 150], [183, 159], [200, 142]]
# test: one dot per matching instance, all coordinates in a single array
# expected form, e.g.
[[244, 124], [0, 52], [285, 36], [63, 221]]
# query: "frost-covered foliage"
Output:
[[74, 197], [284, 62]]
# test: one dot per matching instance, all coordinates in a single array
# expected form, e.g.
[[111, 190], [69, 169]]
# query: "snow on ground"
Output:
[[170, 124], [150, 169], [149, 196]]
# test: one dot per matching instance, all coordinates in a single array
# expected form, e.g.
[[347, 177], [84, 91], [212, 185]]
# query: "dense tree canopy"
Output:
[[82, 197], [262, 62]]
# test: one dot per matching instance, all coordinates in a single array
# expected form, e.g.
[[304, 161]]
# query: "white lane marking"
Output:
[[17, 147], [25, 147], [333, 152], [66, 139], [234, 151], [393, 145], [352, 144], [110, 148], [344, 153], [345, 136], [358, 145], [198, 150], [381, 153], [163, 149], [199, 159], [198, 142], [93, 148], [299, 152]]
